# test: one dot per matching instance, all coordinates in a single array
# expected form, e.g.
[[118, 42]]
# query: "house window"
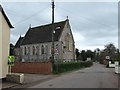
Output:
[[33, 50], [42, 49]]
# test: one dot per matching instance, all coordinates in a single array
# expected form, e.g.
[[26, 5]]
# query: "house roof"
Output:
[[6, 18], [42, 34], [17, 45]]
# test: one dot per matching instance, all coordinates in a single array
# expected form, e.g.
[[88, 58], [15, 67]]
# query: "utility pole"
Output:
[[53, 31]]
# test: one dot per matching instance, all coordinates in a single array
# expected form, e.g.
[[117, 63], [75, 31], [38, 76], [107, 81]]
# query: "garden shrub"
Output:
[[68, 66]]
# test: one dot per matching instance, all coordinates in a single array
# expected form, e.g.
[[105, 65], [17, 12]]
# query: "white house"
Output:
[[5, 26], [36, 45]]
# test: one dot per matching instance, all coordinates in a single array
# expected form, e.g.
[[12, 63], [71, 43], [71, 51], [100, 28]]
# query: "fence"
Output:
[[32, 67]]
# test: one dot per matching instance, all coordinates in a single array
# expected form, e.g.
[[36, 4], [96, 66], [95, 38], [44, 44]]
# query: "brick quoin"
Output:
[[32, 67]]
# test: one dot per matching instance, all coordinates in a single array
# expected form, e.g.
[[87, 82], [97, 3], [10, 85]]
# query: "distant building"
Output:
[[5, 26], [36, 45]]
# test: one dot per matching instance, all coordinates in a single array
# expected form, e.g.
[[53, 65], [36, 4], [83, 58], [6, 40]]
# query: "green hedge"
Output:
[[68, 66]]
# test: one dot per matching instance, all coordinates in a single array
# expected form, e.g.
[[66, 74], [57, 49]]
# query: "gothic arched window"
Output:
[[25, 51], [42, 49], [33, 50], [46, 49]]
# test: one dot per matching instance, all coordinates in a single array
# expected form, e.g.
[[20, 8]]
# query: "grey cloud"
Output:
[[95, 21]]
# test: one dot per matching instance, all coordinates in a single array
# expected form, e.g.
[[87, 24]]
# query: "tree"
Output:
[[110, 50], [89, 54], [83, 55], [77, 53], [97, 54]]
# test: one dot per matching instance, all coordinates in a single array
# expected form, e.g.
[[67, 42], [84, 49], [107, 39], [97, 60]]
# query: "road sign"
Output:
[[107, 57], [11, 60]]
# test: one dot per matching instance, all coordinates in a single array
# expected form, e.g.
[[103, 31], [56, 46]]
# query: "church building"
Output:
[[36, 45]]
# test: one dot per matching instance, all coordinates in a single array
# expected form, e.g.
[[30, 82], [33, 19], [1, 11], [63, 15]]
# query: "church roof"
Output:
[[17, 45], [6, 18], [42, 34]]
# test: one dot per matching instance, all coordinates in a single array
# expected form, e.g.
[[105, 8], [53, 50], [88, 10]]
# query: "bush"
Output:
[[68, 66]]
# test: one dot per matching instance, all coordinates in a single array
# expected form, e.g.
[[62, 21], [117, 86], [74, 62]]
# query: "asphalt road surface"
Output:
[[97, 76]]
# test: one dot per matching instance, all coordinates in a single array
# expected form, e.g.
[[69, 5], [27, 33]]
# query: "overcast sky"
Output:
[[93, 24]]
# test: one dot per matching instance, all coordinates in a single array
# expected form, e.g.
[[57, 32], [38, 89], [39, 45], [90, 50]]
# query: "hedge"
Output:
[[68, 66]]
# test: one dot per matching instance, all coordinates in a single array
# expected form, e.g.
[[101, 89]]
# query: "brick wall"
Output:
[[32, 67]]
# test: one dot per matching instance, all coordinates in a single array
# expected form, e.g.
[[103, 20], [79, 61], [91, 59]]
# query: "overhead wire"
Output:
[[36, 13], [9, 11], [75, 16], [85, 18]]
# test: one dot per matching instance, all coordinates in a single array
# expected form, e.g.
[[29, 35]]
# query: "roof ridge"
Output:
[[19, 41], [48, 24]]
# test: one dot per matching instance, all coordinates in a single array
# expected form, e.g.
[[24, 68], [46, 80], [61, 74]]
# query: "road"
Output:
[[97, 76]]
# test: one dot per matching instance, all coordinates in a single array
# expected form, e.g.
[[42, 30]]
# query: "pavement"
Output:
[[30, 79]]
